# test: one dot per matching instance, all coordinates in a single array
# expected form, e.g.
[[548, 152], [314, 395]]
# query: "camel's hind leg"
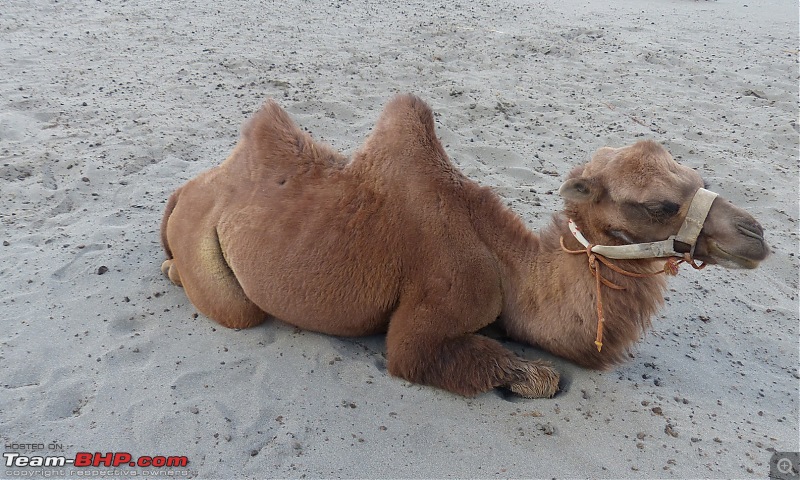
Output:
[[196, 262], [200, 268], [169, 269]]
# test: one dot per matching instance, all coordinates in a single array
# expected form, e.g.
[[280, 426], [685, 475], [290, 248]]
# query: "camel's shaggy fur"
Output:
[[398, 240]]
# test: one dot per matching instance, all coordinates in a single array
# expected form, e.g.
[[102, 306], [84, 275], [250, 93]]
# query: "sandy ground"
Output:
[[108, 106]]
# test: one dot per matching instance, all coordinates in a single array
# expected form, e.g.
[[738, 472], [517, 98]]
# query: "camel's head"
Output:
[[640, 194]]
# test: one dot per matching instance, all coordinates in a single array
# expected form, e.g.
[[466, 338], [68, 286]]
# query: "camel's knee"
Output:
[[169, 269], [456, 364]]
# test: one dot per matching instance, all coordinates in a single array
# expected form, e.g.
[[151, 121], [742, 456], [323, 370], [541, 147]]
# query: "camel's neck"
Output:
[[550, 295]]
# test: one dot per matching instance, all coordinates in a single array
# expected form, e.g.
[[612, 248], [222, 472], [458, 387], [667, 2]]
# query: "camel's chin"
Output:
[[717, 255]]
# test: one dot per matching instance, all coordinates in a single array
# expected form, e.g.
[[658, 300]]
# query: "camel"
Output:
[[397, 240]]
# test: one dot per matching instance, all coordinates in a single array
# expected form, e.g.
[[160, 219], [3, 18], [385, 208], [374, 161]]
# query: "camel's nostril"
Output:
[[752, 230]]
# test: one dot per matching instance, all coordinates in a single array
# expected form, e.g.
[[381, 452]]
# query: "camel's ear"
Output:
[[580, 190]]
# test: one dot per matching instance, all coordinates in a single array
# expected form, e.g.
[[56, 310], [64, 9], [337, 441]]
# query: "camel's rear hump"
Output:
[[271, 138]]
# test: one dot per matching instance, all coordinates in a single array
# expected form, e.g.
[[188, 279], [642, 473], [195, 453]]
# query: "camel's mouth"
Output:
[[720, 256], [740, 245]]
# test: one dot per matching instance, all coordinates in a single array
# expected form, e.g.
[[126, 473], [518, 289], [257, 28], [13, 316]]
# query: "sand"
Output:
[[108, 106]]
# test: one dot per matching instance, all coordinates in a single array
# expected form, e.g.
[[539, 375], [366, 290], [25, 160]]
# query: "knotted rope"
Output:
[[595, 259]]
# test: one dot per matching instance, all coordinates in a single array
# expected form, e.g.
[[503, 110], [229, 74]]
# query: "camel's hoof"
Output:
[[538, 380], [168, 269]]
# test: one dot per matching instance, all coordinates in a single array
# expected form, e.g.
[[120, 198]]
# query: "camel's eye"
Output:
[[661, 211]]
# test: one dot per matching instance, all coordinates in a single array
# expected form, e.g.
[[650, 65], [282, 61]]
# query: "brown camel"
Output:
[[398, 240]]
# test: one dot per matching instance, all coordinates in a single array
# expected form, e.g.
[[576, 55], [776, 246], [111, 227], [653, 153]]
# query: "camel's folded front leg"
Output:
[[467, 364]]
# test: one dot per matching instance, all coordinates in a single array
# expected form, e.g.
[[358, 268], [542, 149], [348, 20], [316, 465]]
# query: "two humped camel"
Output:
[[398, 240]]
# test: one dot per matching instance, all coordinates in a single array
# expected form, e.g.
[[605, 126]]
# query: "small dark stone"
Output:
[[546, 428], [102, 269]]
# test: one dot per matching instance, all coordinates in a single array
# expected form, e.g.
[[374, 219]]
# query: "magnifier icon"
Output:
[[784, 466]]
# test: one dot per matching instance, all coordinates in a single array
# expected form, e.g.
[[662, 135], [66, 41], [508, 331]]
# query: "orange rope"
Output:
[[670, 268]]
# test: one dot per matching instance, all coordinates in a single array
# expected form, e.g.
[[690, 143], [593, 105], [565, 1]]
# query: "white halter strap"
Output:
[[688, 233]]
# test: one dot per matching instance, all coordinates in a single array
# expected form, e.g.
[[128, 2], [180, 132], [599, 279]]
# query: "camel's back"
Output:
[[331, 246]]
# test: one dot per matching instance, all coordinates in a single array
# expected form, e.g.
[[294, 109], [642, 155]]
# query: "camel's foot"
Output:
[[169, 269], [533, 379]]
